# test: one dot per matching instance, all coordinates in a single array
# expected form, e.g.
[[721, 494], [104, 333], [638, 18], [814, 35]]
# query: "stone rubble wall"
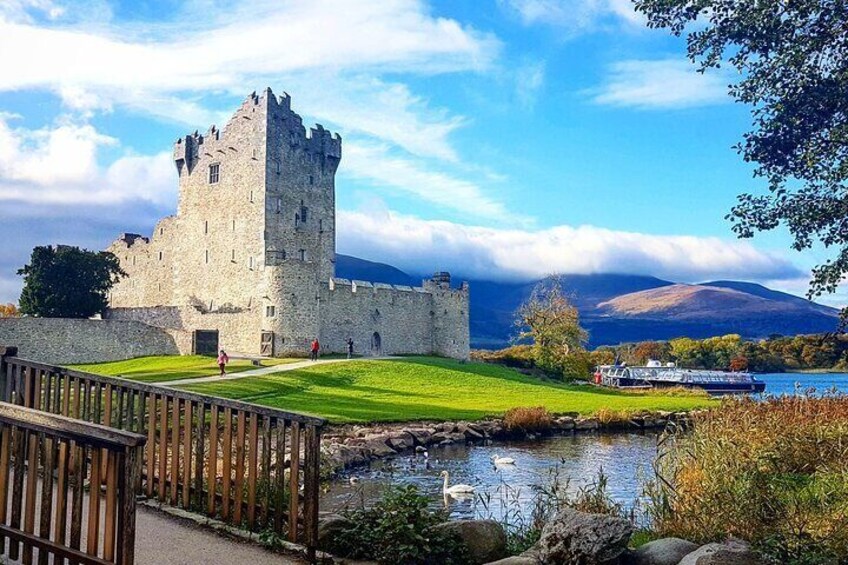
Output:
[[64, 341]]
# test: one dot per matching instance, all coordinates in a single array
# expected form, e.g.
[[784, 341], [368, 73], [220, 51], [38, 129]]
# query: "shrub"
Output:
[[398, 529], [528, 420], [517, 356], [772, 472], [608, 417]]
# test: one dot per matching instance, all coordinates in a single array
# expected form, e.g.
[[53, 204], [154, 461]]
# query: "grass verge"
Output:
[[165, 368], [426, 388]]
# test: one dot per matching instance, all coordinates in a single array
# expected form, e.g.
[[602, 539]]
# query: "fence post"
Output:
[[5, 351]]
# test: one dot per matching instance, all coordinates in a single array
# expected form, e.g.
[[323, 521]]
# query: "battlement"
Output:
[[277, 111]]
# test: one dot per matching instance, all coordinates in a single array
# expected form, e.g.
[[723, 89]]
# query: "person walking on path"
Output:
[[313, 352], [223, 359], [349, 347]]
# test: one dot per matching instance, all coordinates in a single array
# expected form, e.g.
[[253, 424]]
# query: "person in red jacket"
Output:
[[313, 352], [223, 359]]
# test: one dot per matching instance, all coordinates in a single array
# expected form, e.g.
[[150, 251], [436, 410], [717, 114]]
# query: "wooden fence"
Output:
[[41, 518], [247, 465]]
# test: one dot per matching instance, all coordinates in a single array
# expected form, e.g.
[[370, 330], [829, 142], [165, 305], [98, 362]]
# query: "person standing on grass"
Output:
[[223, 359], [313, 352], [349, 347]]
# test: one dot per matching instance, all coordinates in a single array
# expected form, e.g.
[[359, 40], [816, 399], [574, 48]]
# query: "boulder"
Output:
[[399, 443], [485, 539], [730, 552], [328, 534], [586, 424], [378, 448], [420, 436], [579, 537], [666, 551]]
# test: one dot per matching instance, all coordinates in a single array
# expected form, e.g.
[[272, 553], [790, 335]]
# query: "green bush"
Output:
[[399, 530]]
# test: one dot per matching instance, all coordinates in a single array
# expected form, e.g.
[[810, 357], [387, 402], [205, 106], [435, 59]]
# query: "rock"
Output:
[[472, 435], [420, 436], [378, 448], [485, 539], [666, 551], [438, 438], [399, 443], [730, 552], [515, 560], [420, 449], [586, 424], [579, 537], [328, 534]]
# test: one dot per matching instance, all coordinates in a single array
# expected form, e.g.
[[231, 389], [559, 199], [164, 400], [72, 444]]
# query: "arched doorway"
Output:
[[376, 345]]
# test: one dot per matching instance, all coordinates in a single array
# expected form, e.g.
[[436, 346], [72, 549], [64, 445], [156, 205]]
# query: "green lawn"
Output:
[[164, 368], [422, 388]]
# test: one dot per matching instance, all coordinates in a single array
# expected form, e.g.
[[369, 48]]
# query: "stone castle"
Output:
[[248, 261]]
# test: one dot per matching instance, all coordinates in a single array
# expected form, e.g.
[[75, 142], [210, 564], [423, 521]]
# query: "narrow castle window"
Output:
[[279, 204], [250, 262], [214, 173], [270, 311], [321, 225], [251, 196], [311, 180], [234, 256], [207, 255], [234, 225], [161, 231], [133, 260], [206, 226], [303, 212], [160, 255], [279, 167], [302, 254]]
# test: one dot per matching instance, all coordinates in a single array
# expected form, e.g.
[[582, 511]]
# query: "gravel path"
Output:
[[165, 540]]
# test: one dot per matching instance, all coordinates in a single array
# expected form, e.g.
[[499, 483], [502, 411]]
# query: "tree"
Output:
[[9, 311], [792, 58], [67, 282], [552, 323]]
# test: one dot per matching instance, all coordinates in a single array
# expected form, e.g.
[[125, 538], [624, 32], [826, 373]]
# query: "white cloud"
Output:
[[58, 164], [330, 56], [408, 176], [662, 83], [529, 80], [512, 254], [577, 16]]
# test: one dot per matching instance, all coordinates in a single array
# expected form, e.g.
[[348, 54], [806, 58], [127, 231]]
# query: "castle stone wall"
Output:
[[400, 316], [63, 341]]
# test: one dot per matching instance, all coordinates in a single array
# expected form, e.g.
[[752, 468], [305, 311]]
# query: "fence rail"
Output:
[[247, 465], [45, 462]]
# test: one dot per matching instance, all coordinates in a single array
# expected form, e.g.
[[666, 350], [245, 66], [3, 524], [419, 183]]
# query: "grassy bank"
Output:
[[170, 368], [423, 388]]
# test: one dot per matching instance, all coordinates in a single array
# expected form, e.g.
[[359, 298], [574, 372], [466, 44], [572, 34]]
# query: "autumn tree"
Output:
[[552, 323], [9, 311], [67, 282], [792, 63]]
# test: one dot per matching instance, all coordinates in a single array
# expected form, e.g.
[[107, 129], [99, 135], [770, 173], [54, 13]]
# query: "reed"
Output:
[[773, 472], [528, 419]]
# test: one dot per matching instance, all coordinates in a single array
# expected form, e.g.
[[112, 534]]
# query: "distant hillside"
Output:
[[619, 308], [348, 267]]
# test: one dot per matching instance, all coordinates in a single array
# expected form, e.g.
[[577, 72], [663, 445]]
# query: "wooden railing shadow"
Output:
[[249, 466], [64, 520]]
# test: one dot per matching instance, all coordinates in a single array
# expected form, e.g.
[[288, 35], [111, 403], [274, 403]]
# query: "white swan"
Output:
[[455, 489], [498, 460]]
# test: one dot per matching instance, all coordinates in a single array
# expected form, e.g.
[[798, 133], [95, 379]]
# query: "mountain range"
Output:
[[617, 308]]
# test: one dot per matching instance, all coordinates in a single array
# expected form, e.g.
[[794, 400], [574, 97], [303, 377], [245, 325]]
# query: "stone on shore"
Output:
[[485, 539], [328, 534], [666, 551], [730, 552], [579, 537]]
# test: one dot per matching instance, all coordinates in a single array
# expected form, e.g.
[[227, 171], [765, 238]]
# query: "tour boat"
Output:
[[656, 375]]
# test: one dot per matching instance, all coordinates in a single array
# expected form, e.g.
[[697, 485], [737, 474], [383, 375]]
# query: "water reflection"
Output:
[[625, 458]]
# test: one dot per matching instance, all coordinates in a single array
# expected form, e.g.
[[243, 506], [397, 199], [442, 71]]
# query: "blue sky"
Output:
[[505, 139]]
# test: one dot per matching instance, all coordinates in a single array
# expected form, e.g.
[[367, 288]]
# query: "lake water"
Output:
[[625, 457]]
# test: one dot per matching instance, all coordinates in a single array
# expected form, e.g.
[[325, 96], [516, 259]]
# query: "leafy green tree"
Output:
[[67, 282], [792, 63], [552, 323]]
